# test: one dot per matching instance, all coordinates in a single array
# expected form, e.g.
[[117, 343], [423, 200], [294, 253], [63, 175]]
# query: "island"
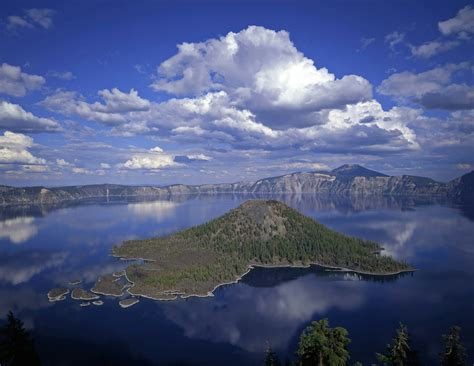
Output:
[[81, 294], [109, 285], [57, 294], [195, 261]]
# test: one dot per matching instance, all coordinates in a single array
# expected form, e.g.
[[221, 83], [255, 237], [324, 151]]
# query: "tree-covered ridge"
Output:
[[258, 232]]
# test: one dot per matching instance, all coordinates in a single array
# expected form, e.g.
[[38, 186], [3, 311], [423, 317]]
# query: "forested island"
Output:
[[195, 261]]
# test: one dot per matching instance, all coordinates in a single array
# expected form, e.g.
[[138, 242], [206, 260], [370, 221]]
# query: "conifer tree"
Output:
[[454, 353], [399, 352], [323, 346], [16, 344], [271, 358]]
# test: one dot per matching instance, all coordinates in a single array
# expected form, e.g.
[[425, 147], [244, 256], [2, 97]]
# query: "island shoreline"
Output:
[[250, 267]]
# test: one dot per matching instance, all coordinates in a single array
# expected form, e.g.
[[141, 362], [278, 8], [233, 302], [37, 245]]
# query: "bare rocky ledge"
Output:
[[126, 303]]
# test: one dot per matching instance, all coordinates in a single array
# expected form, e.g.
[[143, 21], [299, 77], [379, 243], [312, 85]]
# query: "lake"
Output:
[[46, 247]]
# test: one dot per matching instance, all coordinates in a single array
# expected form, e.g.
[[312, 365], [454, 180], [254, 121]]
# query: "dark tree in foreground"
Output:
[[323, 346], [16, 344], [454, 353], [399, 352], [271, 358]]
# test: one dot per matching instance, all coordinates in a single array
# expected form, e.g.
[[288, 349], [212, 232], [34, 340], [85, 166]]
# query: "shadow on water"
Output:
[[77, 352], [274, 276]]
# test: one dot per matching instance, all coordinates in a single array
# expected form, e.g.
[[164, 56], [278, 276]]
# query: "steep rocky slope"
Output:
[[345, 180]]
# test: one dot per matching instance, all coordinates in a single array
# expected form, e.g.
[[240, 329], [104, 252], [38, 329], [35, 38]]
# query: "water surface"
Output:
[[45, 247]]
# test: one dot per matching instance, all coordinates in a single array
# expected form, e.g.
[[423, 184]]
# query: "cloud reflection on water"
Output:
[[22, 299], [21, 267], [19, 229], [278, 313], [157, 210]]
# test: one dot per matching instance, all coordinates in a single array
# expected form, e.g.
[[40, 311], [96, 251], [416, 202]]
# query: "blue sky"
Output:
[[153, 92]]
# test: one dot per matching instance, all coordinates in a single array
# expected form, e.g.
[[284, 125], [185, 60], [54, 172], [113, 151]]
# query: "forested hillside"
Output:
[[258, 232]]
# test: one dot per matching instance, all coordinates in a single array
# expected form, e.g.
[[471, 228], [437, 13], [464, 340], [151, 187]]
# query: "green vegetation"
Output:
[[321, 345], [399, 352], [16, 345], [108, 285], [57, 294], [196, 260], [81, 294], [454, 352], [271, 358]]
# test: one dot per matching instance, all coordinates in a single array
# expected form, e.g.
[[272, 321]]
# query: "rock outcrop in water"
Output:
[[345, 180]]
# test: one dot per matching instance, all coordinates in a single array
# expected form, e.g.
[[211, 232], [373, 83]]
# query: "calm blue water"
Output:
[[43, 247]]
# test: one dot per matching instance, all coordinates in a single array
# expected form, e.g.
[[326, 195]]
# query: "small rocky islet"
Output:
[[108, 285], [81, 294], [57, 294]]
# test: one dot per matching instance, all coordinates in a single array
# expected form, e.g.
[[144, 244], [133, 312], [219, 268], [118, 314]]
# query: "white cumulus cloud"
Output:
[[14, 149], [461, 25], [153, 159], [17, 83], [32, 18], [202, 157], [116, 104], [13, 117], [432, 48], [434, 89], [261, 70]]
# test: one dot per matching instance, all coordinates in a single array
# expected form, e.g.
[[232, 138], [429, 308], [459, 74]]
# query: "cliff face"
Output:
[[359, 185], [463, 187], [345, 180]]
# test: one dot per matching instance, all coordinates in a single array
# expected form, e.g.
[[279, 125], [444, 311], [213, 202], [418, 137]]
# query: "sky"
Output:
[[164, 92]]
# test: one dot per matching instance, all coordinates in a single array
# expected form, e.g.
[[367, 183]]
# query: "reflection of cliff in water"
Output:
[[274, 276], [467, 209], [301, 202], [355, 203], [42, 210]]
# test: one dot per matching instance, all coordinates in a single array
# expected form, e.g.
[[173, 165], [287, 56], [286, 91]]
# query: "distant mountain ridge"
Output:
[[344, 180], [355, 170]]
